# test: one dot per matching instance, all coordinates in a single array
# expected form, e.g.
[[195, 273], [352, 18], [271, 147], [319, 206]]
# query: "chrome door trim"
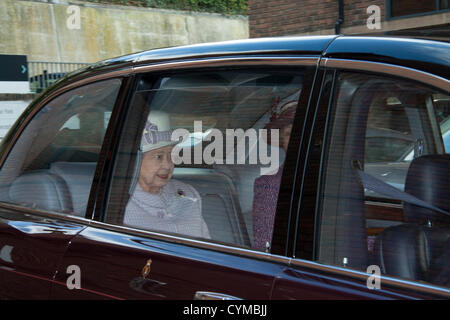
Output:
[[207, 295], [386, 68]]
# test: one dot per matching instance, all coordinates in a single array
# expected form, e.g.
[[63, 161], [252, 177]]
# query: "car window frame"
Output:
[[34, 108], [391, 71], [198, 64]]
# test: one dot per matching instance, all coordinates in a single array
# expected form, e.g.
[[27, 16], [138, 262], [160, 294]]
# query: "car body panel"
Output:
[[31, 248], [112, 265]]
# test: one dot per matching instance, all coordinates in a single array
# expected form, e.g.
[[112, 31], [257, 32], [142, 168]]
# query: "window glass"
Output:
[[52, 164], [385, 200], [202, 154], [408, 7], [400, 8]]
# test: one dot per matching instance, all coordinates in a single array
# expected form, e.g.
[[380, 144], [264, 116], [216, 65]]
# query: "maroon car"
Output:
[[273, 175]]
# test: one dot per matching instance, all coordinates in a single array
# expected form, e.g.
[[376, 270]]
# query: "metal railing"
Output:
[[42, 74]]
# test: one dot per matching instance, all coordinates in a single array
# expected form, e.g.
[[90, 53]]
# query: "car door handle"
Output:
[[205, 295]]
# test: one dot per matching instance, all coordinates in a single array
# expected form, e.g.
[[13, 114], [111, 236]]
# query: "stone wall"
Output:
[[59, 31]]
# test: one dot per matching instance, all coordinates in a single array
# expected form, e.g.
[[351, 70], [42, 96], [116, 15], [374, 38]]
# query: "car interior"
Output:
[[405, 206]]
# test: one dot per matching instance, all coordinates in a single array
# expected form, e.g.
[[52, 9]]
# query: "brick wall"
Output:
[[289, 17]]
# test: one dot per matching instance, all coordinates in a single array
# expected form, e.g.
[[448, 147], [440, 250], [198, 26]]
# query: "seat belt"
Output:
[[381, 187]]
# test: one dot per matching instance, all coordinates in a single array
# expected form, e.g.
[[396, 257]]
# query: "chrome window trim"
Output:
[[230, 61], [386, 68]]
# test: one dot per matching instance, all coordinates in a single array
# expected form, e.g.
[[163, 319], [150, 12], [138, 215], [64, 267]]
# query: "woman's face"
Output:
[[156, 169]]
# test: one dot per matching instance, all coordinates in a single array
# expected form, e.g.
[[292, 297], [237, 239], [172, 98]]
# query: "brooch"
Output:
[[180, 194]]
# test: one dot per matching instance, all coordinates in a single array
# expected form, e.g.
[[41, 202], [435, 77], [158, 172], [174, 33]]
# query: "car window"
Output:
[[52, 164], [402, 124], [220, 179], [384, 201]]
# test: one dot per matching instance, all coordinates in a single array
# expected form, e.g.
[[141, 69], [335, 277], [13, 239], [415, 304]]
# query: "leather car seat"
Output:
[[78, 177], [418, 248], [42, 190], [65, 187]]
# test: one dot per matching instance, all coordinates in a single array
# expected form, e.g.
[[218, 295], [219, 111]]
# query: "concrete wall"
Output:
[[48, 30]]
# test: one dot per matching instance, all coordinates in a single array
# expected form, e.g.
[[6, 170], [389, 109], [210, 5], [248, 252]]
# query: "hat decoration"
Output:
[[151, 134], [157, 132]]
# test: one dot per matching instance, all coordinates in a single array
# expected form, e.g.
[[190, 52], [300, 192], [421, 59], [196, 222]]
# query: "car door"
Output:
[[120, 258], [41, 209], [360, 236]]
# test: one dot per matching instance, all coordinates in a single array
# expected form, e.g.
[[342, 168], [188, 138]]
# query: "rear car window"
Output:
[[52, 164]]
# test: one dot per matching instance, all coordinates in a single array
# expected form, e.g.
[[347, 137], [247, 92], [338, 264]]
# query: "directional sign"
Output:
[[13, 68], [9, 112]]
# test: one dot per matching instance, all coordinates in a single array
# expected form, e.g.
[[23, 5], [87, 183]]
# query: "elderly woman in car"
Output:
[[159, 202]]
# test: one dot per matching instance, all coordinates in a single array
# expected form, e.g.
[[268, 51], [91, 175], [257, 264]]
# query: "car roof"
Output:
[[426, 55], [422, 54], [281, 45]]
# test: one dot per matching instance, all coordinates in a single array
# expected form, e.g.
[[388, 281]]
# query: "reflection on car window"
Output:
[[397, 132], [219, 180], [385, 198], [445, 130], [52, 164]]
